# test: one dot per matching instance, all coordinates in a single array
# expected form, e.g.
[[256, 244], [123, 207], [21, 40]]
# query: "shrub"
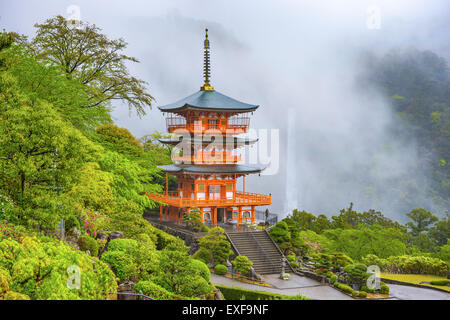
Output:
[[38, 255], [291, 258], [294, 265], [193, 219], [242, 264], [128, 246], [220, 269], [362, 294], [88, 243], [5, 278], [10, 295], [344, 287], [373, 260], [154, 291], [366, 289], [384, 289], [339, 260], [217, 244], [121, 263], [440, 282], [237, 293], [72, 221], [417, 265], [280, 232], [204, 229], [165, 239], [201, 268], [357, 273], [203, 254], [322, 262], [333, 279]]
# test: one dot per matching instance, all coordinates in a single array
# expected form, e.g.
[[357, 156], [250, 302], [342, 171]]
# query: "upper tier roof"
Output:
[[205, 169], [209, 100]]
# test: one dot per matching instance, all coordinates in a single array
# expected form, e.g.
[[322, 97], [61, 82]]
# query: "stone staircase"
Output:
[[260, 249]]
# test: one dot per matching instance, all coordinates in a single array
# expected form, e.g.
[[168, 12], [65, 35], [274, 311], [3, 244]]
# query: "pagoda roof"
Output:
[[235, 141], [209, 100], [189, 168]]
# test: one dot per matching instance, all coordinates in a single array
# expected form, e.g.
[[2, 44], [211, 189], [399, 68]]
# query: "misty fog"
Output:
[[299, 61]]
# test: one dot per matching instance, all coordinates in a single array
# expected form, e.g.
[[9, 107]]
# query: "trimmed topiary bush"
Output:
[[362, 294], [88, 243], [440, 282], [384, 289], [121, 263], [236, 293], [220, 269], [154, 291], [201, 268], [357, 273], [333, 279], [242, 264], [128, 246], [344, 287], [203, 254], [366, 289]]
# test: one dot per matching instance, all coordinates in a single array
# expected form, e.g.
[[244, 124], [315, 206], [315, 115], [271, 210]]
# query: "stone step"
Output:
[[259, 248]]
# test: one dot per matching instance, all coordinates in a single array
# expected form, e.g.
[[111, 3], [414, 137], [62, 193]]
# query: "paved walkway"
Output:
[[295, 285], [400, 292]]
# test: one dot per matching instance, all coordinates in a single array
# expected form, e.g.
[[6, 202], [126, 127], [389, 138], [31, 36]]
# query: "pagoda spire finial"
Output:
[[206, 66]]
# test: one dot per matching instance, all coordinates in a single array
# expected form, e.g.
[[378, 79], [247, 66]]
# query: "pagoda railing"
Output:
[[242, 198], [235, 123], [209, 157]]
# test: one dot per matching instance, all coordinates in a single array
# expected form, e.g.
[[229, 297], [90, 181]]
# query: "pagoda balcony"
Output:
[[233, 125], [241, 199], [208, 157]]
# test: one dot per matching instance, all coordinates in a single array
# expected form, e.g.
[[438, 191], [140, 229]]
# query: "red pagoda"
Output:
[[205, 128]]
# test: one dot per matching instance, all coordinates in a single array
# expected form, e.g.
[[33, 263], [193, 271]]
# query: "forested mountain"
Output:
[[417, 85]]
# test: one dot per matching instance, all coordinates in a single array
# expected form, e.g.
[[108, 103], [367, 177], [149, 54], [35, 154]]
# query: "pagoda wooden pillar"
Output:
[[239, 219], [167, 184], [253, 214]]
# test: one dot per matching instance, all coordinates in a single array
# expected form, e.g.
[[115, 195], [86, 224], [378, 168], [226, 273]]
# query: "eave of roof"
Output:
[[199, 169], [209, 100]]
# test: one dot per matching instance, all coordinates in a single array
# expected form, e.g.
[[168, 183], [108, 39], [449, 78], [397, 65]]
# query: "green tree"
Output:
[[216, 242], [40, 153], [179, 275], [48, 82], [40, 270], [242, 264], [440, 232], [280, 232], [90, 57], [347, 219], [193, 219], [421, 220]]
